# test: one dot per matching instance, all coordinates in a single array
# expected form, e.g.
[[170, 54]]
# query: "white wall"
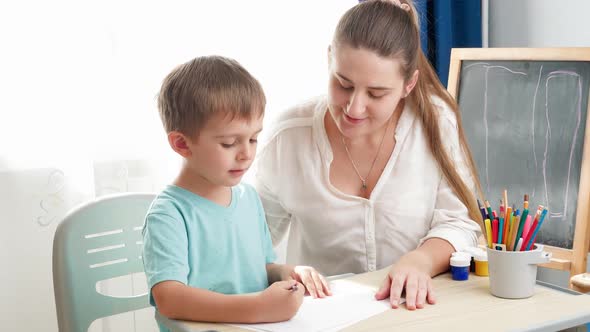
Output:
[[78, 81], [540, 23]]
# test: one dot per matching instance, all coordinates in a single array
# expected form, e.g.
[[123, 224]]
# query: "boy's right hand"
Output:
[[279, 303]]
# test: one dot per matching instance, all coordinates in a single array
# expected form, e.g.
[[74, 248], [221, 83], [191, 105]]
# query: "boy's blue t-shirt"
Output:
[[202, 244]]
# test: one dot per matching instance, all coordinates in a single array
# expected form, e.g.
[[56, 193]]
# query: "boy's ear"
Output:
[[179, 143], [329, 53]]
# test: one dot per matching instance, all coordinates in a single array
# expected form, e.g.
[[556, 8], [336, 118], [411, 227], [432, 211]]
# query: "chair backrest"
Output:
[[97, 241]]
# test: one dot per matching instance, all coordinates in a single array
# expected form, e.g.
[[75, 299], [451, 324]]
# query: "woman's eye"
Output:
[[228, 145], [375, 96], [253, 141], [343, 85]]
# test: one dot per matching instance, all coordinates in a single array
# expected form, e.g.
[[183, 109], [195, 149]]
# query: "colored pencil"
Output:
[[527, 226], [509, 222], [507, 218], [488, 208], [488, 232], [482, 210], [514, 232], [528, 237], [534, 236], [495, 231], [525, 213], [518, 245], [501, 223]]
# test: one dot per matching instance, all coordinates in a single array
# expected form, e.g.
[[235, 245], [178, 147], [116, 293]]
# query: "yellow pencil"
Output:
[[489, 232], [513, 228], [509, 236], [513, 239], [507, 219]]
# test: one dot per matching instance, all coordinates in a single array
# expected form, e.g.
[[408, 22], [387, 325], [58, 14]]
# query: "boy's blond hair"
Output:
[[194, 91]]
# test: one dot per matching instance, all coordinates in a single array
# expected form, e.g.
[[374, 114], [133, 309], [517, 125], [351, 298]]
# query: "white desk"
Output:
[[461, 306]]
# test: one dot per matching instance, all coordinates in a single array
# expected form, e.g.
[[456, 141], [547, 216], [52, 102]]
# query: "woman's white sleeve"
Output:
[[268, 182], [450, 220]]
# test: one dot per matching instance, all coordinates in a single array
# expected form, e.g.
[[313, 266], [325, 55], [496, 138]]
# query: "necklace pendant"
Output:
[[364, 186]]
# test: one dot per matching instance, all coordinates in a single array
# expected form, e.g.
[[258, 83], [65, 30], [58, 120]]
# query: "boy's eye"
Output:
[[345, 87], [254, 141], [228, 145]]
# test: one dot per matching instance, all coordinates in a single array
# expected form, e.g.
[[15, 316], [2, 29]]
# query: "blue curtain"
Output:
[[445, 24]]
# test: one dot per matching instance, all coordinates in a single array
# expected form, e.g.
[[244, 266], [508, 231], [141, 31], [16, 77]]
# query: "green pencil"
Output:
[[489, 208], [525, 213]]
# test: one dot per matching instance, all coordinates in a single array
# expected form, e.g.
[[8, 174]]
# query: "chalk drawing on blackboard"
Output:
[[556, 199], [538, 135], [534, 191], [561, 211], [487, 67]]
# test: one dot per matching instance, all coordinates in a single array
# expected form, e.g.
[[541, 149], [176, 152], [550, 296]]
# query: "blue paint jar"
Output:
[[460, 267]]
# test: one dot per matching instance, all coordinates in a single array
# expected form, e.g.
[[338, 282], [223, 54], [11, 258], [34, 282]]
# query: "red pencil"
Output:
[[532, 228], [495, 231]]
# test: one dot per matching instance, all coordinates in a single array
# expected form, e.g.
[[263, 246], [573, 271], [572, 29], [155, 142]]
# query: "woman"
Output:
[[377, 173]]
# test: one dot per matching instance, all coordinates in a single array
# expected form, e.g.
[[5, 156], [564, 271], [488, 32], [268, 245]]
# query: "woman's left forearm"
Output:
[[431, 257]]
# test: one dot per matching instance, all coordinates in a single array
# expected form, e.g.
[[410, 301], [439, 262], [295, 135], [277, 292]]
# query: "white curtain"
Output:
[[78, 118]]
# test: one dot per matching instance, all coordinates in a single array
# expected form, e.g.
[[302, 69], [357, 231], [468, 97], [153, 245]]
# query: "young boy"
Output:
[[206, 242]]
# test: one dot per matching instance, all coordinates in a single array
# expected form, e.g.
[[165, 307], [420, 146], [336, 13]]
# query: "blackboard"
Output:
[[525, 121]]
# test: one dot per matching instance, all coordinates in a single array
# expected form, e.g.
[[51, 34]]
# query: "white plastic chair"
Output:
[[97, 241]]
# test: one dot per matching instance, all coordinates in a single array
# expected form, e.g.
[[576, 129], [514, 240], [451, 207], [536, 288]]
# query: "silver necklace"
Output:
[[364, 179]]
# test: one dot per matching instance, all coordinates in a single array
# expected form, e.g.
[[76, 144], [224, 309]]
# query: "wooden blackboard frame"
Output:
[[572, 260]]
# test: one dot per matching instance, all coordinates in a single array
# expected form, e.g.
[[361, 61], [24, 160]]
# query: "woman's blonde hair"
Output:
[[388, 30]]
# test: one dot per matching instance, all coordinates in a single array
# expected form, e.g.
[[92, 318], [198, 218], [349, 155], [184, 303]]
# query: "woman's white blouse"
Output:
[[340, 233]]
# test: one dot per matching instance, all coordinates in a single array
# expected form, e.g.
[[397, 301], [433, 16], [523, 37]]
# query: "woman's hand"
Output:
[[315, 283], [417, 284], [413, 272]]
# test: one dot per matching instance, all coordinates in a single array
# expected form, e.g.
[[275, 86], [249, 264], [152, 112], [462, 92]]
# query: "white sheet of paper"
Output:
[[349, 304]]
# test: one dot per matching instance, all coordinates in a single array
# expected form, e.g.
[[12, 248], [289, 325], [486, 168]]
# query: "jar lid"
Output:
[[460, 260], [481, 256], [461, 254]]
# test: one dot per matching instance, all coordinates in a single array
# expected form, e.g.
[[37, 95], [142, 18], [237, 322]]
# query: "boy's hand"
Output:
[[315, 283], [279, 302]]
